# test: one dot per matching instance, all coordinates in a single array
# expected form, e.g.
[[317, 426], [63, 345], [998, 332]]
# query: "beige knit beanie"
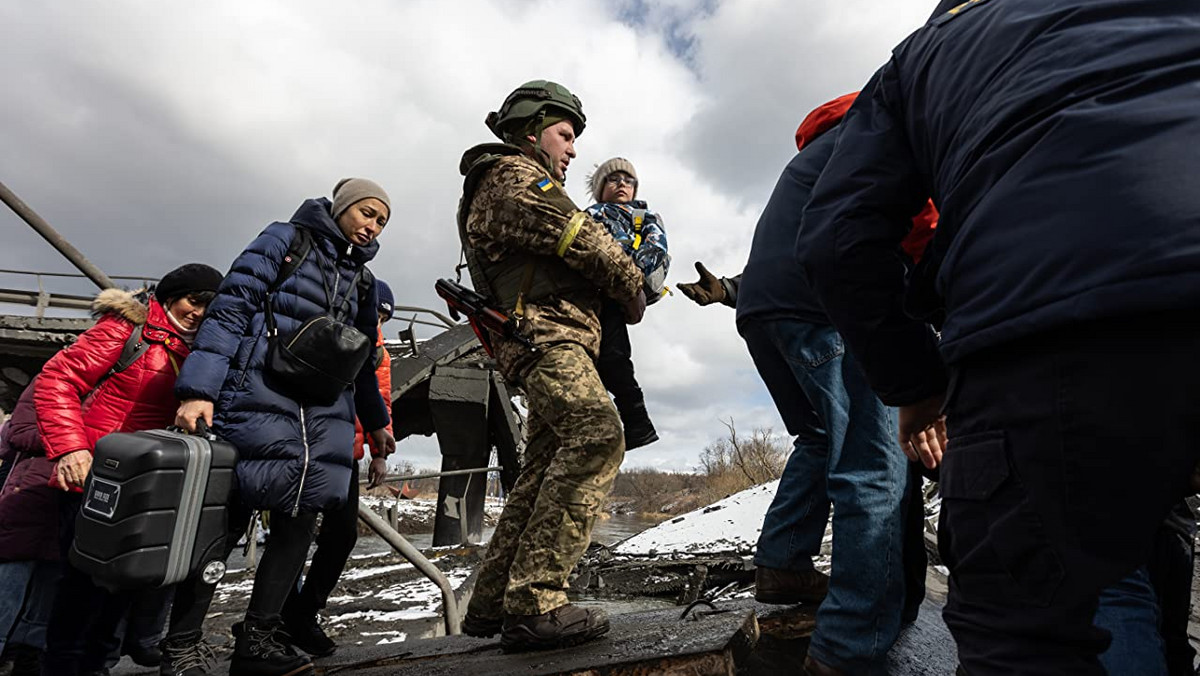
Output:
[[600, 175], [351, 190]]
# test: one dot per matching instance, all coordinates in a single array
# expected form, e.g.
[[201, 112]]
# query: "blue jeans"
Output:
[[846, 455], [26, 599], [1129, 611]]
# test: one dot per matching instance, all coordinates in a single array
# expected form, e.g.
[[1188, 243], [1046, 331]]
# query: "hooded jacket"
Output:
[[73, 413], [290, 457]]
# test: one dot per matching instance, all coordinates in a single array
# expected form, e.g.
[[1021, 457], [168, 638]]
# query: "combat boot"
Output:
[[639, 431], [562, 627], [775, 585], [260, 650], [480, 626], [186, 655], [306, 634]]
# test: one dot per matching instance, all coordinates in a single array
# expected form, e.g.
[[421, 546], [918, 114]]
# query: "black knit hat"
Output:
[[186, 280]]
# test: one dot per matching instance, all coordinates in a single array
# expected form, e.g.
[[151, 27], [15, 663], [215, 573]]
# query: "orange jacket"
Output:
[[384, 374]]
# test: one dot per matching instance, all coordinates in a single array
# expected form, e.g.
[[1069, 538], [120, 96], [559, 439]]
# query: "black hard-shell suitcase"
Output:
[[154, 509]]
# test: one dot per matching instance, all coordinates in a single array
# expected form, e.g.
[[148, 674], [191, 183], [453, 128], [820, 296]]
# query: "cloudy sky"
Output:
[[152, 134]]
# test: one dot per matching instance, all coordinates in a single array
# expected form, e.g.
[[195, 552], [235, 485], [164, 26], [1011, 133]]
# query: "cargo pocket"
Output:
[[990, 537]]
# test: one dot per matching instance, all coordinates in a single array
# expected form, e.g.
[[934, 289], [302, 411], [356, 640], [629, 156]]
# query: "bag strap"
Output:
[[134, 348], [297, 251]]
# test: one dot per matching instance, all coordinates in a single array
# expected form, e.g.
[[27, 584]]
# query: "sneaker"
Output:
[[481, 627], [562, 627], [261, 651], [186, 655], [775, 585], [307, 635], [145, 657]]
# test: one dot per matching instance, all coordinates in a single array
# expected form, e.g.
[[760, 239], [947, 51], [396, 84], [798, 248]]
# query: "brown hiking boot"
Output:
[[775, 585], [564, 626], [480, 626]]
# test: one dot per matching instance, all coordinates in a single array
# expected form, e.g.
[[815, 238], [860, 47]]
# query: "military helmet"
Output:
[[532, 101]]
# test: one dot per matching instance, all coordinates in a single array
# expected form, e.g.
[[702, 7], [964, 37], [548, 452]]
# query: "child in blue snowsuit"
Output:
[[640, 232]]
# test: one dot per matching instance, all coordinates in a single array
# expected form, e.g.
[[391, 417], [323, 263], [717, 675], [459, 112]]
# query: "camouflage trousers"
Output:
[[575, 446]]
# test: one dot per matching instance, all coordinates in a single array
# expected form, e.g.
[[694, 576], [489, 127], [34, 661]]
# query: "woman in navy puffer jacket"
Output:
[[294, 459]]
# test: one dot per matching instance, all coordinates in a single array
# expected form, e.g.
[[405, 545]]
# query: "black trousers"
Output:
[[1171, 566], [193, 596], [1067, 450], [916, 559], [615, 363], [335, 541], [82, 628], [281, 563]]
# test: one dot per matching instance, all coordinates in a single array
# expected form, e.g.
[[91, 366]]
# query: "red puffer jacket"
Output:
[[72, 413]]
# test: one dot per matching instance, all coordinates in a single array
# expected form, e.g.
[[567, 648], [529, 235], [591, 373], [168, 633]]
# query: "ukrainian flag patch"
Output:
[[545, 184]]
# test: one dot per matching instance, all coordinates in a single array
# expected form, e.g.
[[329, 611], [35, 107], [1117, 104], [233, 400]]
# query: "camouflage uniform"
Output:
[[575, 444]]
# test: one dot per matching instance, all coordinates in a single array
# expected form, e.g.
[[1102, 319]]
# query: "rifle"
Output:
[[479, 313]]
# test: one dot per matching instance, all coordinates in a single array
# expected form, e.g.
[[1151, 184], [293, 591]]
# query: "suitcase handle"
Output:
[[202, 430]]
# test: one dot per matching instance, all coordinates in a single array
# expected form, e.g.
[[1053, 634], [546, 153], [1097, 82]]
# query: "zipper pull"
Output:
[[349, 249]]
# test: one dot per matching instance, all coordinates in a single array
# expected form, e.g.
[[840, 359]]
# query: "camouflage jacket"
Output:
[[518, 209]]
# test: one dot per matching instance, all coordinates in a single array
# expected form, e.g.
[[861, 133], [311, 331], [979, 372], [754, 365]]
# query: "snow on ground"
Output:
[[420, 599], [729, 526]]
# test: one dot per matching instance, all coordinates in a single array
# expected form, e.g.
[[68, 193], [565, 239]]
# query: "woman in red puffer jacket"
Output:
[[78, 399]]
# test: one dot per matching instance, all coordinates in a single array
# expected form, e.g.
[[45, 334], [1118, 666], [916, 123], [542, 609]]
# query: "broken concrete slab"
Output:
[[654, 642]]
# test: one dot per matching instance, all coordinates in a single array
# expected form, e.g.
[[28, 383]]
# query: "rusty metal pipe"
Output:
[[414, 556], [56, 240]]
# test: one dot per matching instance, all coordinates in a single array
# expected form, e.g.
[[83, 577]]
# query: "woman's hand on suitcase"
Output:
[[192, 410], [72, 469], [377, 471]]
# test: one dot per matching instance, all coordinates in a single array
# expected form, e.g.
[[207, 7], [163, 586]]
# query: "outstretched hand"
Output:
[[706, 290], [923, 431]]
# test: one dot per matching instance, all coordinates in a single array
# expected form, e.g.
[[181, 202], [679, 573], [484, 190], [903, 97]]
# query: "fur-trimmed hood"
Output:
[[129, 305]]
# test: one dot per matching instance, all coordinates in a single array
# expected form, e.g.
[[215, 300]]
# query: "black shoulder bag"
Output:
[[317, 362]]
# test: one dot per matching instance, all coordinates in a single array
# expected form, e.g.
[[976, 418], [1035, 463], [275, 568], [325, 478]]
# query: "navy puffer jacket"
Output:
[[291, 457]]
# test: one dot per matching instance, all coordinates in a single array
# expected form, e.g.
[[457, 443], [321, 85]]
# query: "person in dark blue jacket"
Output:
[[293, 459], [1057, 138]]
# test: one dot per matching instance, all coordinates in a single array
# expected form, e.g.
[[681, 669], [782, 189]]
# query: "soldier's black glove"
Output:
[[635, 308], [705, 291]]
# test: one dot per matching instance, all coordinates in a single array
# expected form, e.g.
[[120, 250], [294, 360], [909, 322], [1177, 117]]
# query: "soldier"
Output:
[[543, 260]]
